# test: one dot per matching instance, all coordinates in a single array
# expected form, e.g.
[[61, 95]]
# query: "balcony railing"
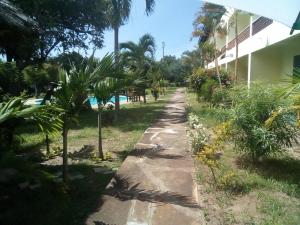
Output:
[[257, 25], [260, 24]]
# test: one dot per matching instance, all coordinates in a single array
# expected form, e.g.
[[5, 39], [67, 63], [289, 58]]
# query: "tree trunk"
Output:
[[47, 144], [35, 90], [117, 100], [9, 58], [100, 150], [144, 93], [216, 62], [65, 151], [236, 49]]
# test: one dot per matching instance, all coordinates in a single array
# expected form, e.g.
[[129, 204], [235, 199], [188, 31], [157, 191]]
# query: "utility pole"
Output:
[[163, 48]]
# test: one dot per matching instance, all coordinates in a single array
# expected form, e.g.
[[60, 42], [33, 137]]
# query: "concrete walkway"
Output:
[[155, 185]]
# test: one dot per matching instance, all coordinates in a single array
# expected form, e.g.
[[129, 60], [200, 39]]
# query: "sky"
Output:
[[170, 22]]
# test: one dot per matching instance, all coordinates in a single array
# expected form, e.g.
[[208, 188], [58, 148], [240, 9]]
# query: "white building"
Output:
[[266, 50]]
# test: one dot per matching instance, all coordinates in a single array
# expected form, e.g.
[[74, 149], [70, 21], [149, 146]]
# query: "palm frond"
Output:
[[45, 117]]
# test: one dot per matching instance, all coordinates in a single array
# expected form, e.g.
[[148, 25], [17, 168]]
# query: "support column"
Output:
[[226, 64], [250, 55]]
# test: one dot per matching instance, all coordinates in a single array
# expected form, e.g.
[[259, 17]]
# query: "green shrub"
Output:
[[207, 89], [251, 110], [11, 80], [198, 134], [221, 97], [232, 182], [39, 76]]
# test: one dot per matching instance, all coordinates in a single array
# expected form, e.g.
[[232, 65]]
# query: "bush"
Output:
[[38, 77], [204, 82], [221, 97], [207, 89], [251, 111], [232, 182], [11, 80], [198, 135], [197, 78], [198, 138], [193, 120]]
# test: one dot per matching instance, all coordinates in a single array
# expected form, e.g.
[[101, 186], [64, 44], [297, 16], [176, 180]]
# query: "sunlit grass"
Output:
[[274, 182], [70, 205]]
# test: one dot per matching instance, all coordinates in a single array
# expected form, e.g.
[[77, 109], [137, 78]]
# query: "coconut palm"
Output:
[[138, 57], [118, 13], [207, 25]]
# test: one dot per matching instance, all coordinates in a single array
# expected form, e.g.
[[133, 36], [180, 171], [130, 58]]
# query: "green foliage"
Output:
[[139, 56], [198, 134], [206, 83], [221, 97], [207, 89], [118, 11], [232, 182], [14, 113], [11, 80], [65, 24], [197, 78], [251, 111], [192, 60], [173, 69], [68, 60], [39, 76], [106, 80]]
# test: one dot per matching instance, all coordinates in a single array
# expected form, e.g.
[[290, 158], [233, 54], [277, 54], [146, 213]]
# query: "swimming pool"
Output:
[[93, 100]]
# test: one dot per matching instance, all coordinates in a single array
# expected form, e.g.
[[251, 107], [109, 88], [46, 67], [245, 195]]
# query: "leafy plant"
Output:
[[251, 111], [11, 80], [198, 134], [39, 76], [193, 120], [210, 157], [212, 151], [207, 89], [70, 96], [198, 138], [232, 182], [14, 113]]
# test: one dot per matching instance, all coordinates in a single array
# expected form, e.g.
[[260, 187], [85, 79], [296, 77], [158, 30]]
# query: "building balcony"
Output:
[[264, 32]]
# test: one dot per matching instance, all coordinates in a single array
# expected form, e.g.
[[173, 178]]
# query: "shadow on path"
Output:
[[124, 190]]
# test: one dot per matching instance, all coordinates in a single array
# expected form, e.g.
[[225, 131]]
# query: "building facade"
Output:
[[266, 49]]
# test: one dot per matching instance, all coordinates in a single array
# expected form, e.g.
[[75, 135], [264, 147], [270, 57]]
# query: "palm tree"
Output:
[[139, 57], [206, 25], [118, 14], [105, 82], [14, 113], [70, 96]]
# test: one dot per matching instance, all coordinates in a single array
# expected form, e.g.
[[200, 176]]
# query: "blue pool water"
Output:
[[93, 100]]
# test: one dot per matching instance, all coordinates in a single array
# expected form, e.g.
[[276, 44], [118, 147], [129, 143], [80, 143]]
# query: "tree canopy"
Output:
[[62, 24]]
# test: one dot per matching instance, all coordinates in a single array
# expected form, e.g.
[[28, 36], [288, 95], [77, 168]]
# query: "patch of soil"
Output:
[[244, 208]]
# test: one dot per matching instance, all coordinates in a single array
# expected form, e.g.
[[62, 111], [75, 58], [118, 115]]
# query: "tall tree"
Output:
[[192, 59], [62, 24], [206, 26], [139, 56], [118, 14]]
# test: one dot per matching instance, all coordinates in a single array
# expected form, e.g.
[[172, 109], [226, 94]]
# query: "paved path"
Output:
[[155, 185]]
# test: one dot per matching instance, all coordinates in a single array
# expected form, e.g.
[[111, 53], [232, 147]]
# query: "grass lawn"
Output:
[[53, 202], [267, 192]]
